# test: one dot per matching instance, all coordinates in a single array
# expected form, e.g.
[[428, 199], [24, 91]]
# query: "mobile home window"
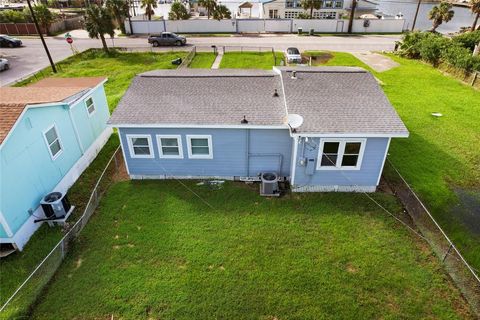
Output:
[[170, 146], [340, 154], [140, 146], [90, 106], [53, 142], [273, 14], [199, 147]]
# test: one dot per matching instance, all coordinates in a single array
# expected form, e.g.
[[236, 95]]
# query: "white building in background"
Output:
[[331, 9]]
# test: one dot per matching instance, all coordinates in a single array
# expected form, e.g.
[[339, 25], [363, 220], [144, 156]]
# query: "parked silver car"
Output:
[[4, 64], [167, 39], [293, 55]]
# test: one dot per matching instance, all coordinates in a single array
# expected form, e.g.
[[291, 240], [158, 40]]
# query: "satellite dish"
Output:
[[294, 120]]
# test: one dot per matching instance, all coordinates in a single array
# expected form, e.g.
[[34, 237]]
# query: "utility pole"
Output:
[[352, 15], [54, 69], [416, 15]]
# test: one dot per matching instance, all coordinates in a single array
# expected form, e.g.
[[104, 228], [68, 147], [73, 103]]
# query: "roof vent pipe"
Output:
[[275, 93], [294, 74], [244, 120]]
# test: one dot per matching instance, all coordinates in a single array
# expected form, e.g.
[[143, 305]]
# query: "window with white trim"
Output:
[[273, 14], [140, 146], [200, 146], [90, 106], [170, 146], [53, 142], [343, 154]]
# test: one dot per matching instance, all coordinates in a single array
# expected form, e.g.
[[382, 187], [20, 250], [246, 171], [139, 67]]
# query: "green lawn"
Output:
[[154, 250], [441, 155], [250, 60], [202, 60], [119, 68]]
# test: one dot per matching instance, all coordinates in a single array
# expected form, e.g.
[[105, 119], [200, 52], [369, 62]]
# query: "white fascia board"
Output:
[[206, 126], [351, 135]]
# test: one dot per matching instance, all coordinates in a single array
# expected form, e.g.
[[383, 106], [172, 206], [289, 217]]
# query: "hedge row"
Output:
[[435, 48]]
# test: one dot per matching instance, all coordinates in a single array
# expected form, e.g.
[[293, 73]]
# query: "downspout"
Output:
[[247, 133], [75, 129], [5, 225]]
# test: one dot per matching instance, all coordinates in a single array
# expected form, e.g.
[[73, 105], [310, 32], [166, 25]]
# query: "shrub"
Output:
[[431, 48], [12, 16], [410, 44], [468, 39]]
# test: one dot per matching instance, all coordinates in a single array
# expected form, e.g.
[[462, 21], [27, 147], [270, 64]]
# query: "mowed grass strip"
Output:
[[251, 60], [155, 250], [202, 60]]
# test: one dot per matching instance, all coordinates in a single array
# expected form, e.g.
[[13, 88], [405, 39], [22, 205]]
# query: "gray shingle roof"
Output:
[[340, 100], [202, 97], [330, 99]]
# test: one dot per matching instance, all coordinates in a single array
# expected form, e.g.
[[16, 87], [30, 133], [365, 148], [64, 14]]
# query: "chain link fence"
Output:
[[465, 276], [21, 301]]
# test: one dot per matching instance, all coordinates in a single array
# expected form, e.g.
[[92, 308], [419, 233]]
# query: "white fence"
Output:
[[264, 26]]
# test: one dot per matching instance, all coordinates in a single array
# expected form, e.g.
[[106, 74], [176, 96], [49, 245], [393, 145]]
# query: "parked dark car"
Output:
[[7, 41], [167, 39]]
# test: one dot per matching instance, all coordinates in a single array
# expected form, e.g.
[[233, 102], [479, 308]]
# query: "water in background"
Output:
[[463, 16]]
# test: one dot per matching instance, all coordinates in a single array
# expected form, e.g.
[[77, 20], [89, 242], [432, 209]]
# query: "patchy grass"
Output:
[[155, 250], [251, 60], [119, 68], [441, 154], [16, 267], [202, 60]]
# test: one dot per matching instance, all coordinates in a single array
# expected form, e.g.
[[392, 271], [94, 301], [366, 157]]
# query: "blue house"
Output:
[[322, 129], [49, 133]]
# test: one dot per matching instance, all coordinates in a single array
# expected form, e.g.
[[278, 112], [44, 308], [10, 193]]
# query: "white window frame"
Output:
[[196, 156], [130, 146], [179, 144], [48, 145], [90, 114], [341, 151]]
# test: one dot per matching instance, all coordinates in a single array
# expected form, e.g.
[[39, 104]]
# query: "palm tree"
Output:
[[119, 9], [475, 9], [149, 5], [311, 5], [210, 5], [221, 12], [178, 11], [439, 14], [98, 22]]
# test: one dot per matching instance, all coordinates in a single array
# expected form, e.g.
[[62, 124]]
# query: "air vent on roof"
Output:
[[294, 75], [244, 120], [275, 93]]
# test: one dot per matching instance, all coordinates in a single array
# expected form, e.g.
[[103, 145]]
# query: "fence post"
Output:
[[448, 251], [474, 78]]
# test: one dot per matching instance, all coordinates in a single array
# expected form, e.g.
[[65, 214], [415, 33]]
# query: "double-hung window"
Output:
[[53, 142], [344, 154], [170, 146], [200, 146], [140, 146], [90, 106]]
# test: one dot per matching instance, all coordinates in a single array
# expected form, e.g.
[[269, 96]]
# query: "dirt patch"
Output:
[[468, 209], [317, 58]]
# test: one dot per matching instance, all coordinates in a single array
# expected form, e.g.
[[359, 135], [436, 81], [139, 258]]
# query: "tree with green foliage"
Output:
[[12, 16], [44, 16], [119, 10], [311, 5], [221, 12], [98, 22], [210, 5], [178, 12], [439, 14], [475, 8], [149, 5]]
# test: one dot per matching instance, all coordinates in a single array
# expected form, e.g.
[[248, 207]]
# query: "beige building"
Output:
[[331, 9]]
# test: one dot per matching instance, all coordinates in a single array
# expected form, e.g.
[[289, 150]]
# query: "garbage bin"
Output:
[[312, 32], [300, 30]]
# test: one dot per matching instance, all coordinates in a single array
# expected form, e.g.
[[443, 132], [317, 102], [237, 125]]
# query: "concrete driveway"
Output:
[[31, 57]]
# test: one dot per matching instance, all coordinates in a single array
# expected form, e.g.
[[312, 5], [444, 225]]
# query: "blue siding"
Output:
[[27, 170], [229, 153], [366, 176], [3, 233]]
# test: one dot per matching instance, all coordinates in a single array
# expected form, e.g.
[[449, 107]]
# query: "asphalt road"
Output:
[[31, 57]]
